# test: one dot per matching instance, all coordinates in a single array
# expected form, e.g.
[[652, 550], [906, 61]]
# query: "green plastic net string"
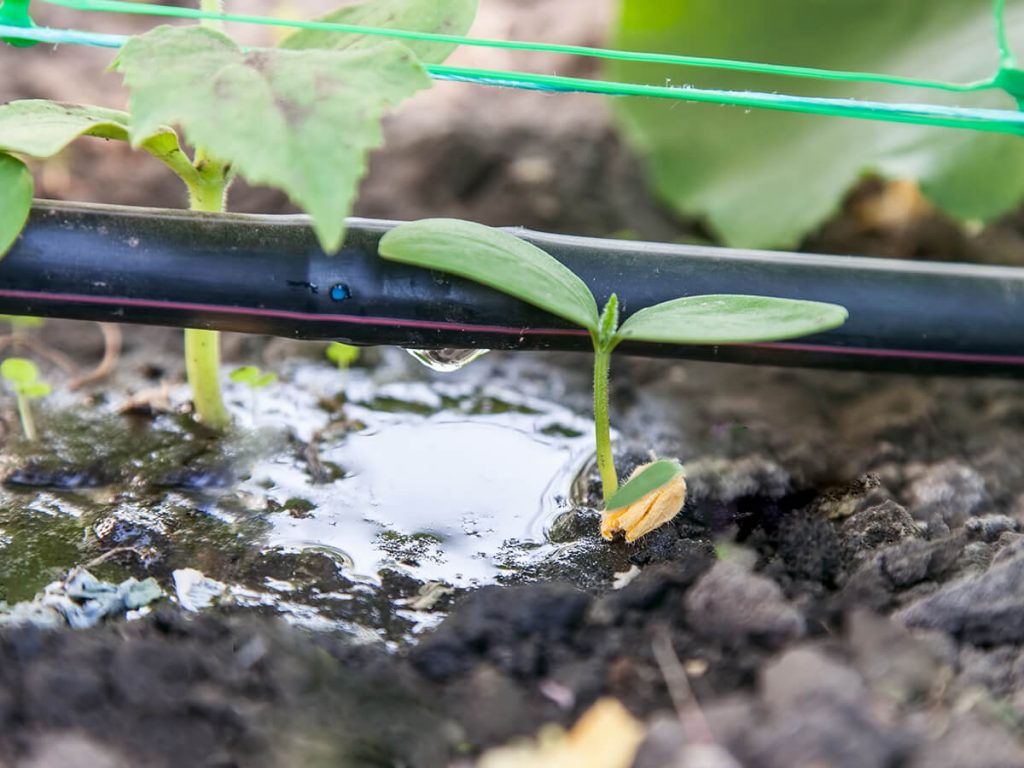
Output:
[[17, 27]]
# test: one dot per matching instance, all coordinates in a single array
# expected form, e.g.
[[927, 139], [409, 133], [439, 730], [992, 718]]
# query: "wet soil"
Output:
[[843, 587]]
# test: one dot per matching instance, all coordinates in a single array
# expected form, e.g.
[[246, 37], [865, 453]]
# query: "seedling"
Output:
[[342, 355], [654, 494], [255, 379], [23, 376], [300, 117]]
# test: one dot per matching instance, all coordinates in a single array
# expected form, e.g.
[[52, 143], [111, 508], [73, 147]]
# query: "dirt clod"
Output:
[[729, 602]]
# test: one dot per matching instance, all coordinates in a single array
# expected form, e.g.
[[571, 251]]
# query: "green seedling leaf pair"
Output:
[[23, 376], [342, 355], [252, 376], [505, 262], [511, 265], [255, 379]]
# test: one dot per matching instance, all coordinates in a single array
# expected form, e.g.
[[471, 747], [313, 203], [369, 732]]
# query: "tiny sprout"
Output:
[[253, 376], [255, 379], [24, 378], [342, 355]]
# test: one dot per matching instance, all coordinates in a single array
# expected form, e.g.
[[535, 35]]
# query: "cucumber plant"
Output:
[[300, 117], [504, 262]]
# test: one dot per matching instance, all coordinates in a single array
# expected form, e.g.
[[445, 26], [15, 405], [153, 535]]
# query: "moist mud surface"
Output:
[[843, 584], [404, 567]]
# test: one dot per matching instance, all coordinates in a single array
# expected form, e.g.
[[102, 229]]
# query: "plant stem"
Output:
[[202, 364], [202, 348], [602, 427], [28, 424], [211, 6]]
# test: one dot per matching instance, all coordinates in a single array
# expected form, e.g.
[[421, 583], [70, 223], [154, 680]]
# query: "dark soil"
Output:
[[844, 588]]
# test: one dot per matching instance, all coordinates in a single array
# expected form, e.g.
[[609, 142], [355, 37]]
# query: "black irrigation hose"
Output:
[[267, 275]]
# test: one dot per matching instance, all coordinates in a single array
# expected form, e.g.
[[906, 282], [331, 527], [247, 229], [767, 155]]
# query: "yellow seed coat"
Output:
[[646, 513]]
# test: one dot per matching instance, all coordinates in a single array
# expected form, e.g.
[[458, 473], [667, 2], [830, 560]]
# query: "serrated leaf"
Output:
[[653, 477], [729, 319], [19, 371], [452, 17], [15, 199], [301, 121], [496, 259], [765, 179]]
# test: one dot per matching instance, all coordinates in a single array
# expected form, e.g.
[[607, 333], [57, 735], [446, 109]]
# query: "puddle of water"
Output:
[[442, 500], [424, 484]]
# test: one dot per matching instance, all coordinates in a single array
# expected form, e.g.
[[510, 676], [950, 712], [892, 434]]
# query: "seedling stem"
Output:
[[202, 348], [602, 425], [28, 424]]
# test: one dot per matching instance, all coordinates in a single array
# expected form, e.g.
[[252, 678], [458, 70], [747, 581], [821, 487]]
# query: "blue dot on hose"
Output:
[[340, 292]]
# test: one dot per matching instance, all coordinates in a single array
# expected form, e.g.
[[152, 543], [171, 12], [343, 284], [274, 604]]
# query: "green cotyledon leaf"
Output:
[[19, 371], [15, 199], [762, 178], [494, 258], [301, 121], [41, 128], [651, 478], [452, 17], [729, 319]]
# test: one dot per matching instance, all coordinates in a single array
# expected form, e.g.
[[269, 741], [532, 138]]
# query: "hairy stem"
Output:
[[602, 427], [28, 424], [202, 348]]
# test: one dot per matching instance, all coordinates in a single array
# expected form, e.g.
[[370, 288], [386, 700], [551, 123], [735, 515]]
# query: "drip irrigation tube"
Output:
[[267, 275]]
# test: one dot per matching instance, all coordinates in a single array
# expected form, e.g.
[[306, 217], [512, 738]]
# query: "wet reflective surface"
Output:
[[361, 511]]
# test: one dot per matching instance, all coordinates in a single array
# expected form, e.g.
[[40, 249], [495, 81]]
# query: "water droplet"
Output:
[[446, 360], [340, 292]]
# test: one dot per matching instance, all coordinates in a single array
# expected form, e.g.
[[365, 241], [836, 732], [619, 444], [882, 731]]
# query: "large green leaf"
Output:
[[764, 179], [725, 319], [452, 17], [302, 121], [15, 199], [495, 258]]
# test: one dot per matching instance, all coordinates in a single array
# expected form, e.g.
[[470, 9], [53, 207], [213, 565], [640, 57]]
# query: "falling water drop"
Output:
[[446, 360]]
